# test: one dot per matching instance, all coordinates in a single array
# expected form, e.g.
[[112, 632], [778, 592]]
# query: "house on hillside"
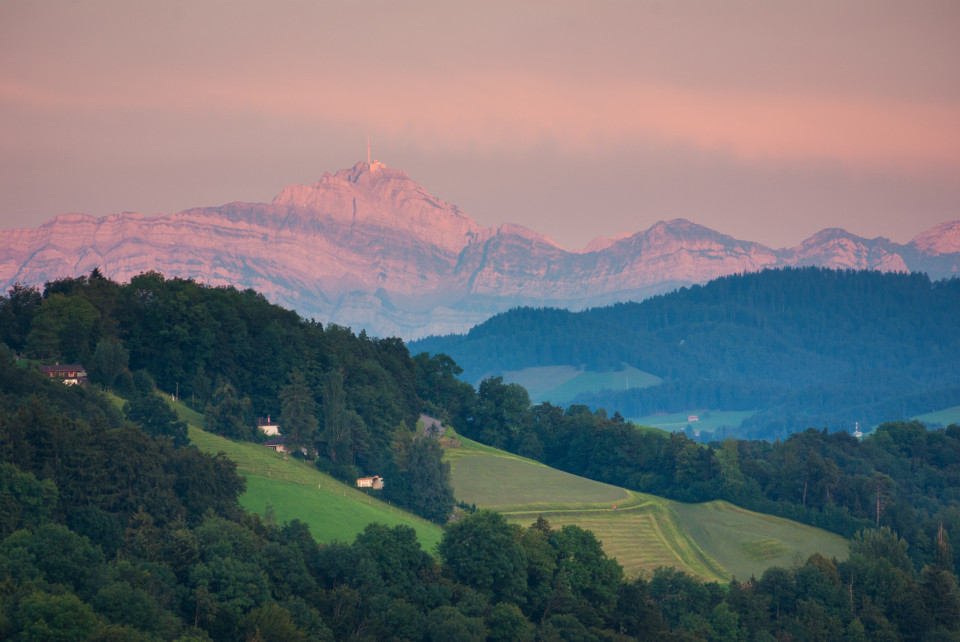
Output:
[[278, 443], [72, 374], [375, 482], [268, 427]]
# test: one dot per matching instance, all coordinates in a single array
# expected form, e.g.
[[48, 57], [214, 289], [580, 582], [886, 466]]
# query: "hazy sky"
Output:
[[767, 120]]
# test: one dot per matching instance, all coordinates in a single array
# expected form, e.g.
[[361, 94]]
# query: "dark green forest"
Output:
[[806, 347], [112, 527], [233, 356]]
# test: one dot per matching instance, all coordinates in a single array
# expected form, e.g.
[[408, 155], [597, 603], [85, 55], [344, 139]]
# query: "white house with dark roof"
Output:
[[268, 427]]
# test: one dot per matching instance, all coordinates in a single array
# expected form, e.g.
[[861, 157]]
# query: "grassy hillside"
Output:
[[296, 490], [562, 384], [715, 541]]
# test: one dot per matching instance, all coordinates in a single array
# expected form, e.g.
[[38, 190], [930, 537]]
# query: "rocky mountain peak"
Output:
[[368, 247], [374, 195], [942, 239], [512, 229], [838, 248]]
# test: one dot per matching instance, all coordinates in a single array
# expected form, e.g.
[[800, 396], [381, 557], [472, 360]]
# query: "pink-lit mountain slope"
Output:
[[370, 248]]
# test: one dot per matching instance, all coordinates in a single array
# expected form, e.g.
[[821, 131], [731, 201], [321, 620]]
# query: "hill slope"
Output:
[[294, 489], [808, 347], [715, 540]]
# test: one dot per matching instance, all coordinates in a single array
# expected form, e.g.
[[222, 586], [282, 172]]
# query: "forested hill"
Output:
[[112, 527], [806, 346]]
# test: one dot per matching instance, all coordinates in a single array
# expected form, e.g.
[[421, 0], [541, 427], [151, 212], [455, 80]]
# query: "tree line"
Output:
[[108, 513]]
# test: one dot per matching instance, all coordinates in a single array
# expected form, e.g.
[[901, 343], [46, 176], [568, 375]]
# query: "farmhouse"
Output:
[[278, 443], [72, 374], [375, 482]]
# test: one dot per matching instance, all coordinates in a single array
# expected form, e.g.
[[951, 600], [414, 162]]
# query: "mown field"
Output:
[[715, 541], [709, 420], [561, 384], [297, 490], [943, 417]]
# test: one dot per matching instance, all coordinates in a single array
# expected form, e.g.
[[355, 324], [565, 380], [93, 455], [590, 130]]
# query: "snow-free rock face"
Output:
[[369, 248], [942, 239]]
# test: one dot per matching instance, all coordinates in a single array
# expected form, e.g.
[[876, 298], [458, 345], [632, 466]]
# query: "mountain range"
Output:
[[367, 247]]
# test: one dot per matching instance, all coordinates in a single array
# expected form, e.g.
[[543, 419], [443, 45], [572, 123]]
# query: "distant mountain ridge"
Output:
[[368, 247]]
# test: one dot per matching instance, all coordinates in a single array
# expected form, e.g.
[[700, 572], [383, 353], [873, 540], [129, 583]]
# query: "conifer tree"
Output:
[[298, 418]]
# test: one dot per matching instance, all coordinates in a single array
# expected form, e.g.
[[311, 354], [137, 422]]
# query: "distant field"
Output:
[[541, 380], [710, 420], [943, 417], [561, 384], [715, 541]]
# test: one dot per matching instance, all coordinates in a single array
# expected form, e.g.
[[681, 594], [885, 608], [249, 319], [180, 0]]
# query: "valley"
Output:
[[759, 356]]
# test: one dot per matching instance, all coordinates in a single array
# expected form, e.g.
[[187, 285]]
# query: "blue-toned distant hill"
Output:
[[800, 346]]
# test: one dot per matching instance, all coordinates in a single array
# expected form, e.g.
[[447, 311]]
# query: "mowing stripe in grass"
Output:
[[715, 541]]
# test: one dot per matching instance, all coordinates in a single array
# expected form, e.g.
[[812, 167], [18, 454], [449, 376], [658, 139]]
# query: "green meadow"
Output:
[[943, 417], [714, 541], [561, 384], [709, 420], [294, 489]]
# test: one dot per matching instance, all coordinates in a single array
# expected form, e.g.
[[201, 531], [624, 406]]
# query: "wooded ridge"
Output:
[[113, 527], [803, 347]]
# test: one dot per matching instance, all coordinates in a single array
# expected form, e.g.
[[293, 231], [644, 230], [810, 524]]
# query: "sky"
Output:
[[764, 119]]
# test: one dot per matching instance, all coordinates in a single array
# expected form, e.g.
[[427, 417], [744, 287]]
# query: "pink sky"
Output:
[[765, 120]]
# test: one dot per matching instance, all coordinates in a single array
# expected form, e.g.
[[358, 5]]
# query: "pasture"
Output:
[[714, 541], [943, 417], [561, 384], [295, 489], [709, 420]]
